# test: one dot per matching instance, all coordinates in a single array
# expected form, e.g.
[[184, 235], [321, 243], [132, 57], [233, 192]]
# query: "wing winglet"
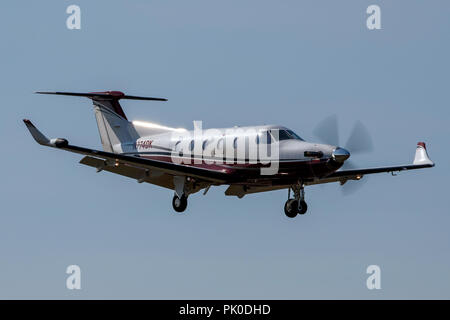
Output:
[[37, 135], [42, 139], [421, 156]]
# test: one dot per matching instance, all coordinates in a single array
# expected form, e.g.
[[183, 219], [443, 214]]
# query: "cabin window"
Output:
[[268, 137], [220, 143], [191, 145], [177, 148]]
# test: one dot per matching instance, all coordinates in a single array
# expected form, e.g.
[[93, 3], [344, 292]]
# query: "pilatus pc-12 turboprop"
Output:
[[180, 160]]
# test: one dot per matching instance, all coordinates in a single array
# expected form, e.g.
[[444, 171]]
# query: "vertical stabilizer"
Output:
[[117, 134]]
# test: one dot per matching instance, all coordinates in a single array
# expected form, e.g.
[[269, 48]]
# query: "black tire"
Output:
[[179, 204], [290, 208], [303, 207]]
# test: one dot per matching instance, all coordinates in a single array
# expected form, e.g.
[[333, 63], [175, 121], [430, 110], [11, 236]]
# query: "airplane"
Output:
[[175, 158]]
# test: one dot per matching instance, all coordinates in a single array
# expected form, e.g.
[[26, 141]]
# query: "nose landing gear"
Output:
[[290, 208], [295, 206]]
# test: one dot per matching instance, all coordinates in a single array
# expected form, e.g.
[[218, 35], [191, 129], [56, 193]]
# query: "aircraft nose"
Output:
[[340, 154]]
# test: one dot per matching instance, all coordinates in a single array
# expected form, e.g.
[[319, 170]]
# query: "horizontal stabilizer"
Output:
[[105, 95]]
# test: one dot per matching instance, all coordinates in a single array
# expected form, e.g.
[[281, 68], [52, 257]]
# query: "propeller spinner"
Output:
[[340, 154]]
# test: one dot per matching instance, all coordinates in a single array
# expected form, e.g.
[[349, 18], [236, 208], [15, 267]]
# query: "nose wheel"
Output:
[[302, 208], [296, 206]]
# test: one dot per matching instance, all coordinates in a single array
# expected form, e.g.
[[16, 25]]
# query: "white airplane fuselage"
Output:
[[240, 151], [247, 159]]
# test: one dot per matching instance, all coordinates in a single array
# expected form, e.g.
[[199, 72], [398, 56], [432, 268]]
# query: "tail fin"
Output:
[[117, 134]]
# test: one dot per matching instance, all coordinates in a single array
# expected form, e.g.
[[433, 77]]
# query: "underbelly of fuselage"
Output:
[[282, 171]]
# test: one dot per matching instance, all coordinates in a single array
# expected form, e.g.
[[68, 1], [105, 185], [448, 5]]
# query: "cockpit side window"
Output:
[[282, 135], [285, 135], [294, 135]]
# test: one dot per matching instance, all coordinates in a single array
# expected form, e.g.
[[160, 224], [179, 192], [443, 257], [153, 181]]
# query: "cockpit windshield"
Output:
[[284, 135]]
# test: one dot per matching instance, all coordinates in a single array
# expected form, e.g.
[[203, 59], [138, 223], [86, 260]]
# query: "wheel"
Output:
[[179, 204], [290, 208], [303, 207]]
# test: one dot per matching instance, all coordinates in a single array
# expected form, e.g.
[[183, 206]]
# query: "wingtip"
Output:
[[421, 157], [35, 133], [46, 92]]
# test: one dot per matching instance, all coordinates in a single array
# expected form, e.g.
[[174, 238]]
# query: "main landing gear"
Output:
[[297, 205], [179, 203], [182, 186]]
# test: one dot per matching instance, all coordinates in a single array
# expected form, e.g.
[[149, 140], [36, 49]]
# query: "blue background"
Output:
[[226, 63]]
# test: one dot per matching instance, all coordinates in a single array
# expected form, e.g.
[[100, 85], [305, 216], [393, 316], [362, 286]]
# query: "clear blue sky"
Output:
[[226, 63]]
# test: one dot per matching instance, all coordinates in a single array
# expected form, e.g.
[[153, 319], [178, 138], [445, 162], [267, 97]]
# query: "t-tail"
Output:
[[117, 134]]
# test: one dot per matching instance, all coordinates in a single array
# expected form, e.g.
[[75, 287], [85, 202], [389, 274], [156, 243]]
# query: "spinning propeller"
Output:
[[359, 142]]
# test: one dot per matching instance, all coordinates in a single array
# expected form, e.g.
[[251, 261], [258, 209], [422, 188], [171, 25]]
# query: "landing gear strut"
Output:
[[297, 205]]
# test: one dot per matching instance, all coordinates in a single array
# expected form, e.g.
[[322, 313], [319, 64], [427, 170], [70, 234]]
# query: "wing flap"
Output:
[[140, 174], [166, 167]]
